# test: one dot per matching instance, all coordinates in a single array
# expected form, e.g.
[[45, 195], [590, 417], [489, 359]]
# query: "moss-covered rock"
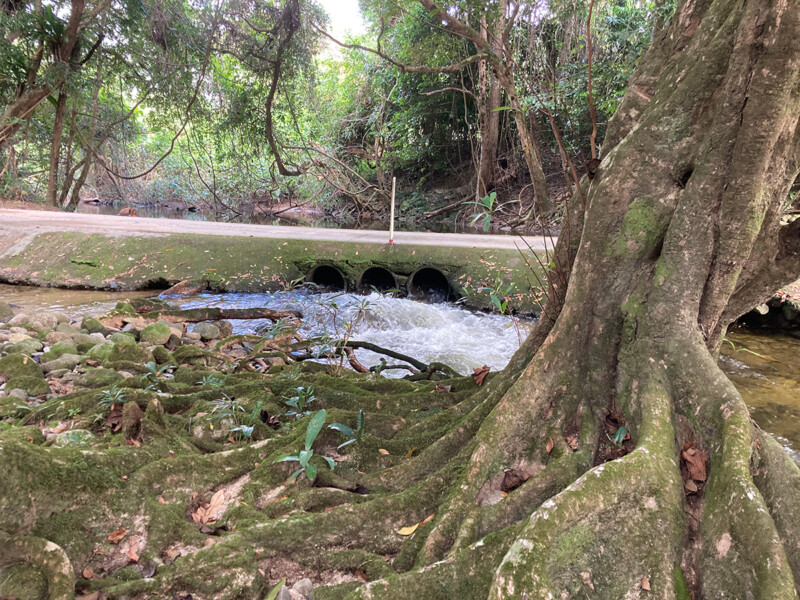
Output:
[[93, 325], [33, 386], [59, 349], [84, 347], [17, 364], [29, 346], [207, 331], [22, 582], [74, 437], [99, 377], [28, 433], [122, 338], [65, 361], [155, 334], [161, 355], [130, 353], [100, 351]]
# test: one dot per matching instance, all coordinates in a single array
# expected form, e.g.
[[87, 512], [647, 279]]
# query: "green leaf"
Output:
[[343, 429], [288, 458], [330, 462], [619, 436], [347, 443], [361, 422], [273, 593], [305, 456], [295, 474], [311, 472], [314, 427]]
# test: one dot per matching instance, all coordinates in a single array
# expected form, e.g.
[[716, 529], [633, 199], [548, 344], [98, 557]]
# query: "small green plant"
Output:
[[229, 413], [73, 412], [113, 395], [485, 208], [153, 373], [353, 435], [304, 456], [618, 437], [500, 294], [211, 380], [300, 401], [737, 349]]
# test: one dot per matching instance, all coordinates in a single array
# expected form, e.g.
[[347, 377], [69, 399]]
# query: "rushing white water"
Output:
[[429, 332]]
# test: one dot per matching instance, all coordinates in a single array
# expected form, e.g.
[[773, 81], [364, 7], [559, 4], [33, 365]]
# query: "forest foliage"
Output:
[[238, 105]]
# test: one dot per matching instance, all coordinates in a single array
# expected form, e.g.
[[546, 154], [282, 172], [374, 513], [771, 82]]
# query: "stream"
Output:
[[764, 367]]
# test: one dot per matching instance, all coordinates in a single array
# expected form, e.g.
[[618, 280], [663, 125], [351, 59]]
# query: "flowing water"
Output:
[[764, 367]]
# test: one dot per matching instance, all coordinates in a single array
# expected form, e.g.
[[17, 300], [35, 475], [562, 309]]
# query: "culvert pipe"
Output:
[[377, 278], [327, 277], [429, 284]]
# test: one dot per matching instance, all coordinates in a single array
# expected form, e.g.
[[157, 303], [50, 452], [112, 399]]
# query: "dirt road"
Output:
[[31, 221]]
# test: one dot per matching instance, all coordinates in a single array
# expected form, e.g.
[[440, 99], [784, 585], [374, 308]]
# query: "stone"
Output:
[[19, 394], [192, 335], [17, 330], [74, 437], [84, 347], [16, 338], [92, 325], [155, 334], [30, 434], [161, 355], [225, 328], [100, 351], [284, 594], [23, 582], [83, 338], [305, 587], [130, 352], [65, 361], [207, 331], [29, 346], [66, 328], [56, 336], [295, 595], [122, 338], [33, 386], [100, 377], [98, 337], [6, 313], [173, 342], [59, 349], [17, 364], [41, 319]]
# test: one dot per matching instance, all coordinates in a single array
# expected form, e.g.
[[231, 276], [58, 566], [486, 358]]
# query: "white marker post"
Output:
[[391, 213]]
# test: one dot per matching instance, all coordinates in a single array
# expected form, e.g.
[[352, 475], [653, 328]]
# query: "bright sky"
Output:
[[345, 16]]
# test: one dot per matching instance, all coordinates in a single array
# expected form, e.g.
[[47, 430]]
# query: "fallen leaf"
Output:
[[161, 500], [362, 576], [408, 530], [115, 536], [443, 389], [695, 463], [132, 555], [573, 442], [645, 584], [410, 453], [383, 451], [587, 579], [88, 573], [480, 374], [690, 486], [550, 445], [114, 419]]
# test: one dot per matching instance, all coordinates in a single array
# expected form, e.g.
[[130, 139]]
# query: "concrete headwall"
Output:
[[135, 261]]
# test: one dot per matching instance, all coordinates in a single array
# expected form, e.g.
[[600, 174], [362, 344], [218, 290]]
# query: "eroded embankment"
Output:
[[248, 264]]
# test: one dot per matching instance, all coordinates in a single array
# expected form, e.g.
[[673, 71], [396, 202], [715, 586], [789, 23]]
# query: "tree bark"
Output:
[[55, 149]]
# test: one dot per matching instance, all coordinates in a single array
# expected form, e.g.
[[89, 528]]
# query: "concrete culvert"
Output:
[[327, 277], [377, 278], [429, 284]]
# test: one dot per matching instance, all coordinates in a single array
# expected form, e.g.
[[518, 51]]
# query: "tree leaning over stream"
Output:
[[682, 232]]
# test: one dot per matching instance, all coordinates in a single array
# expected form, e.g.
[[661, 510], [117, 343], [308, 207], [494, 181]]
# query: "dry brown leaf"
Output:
[[132, 555], [690, 486], [410, 453], [695, 463], [428, 519], [362, 576], [161, 500], [573, 442], [645, 584], [480, 374], [115, 536], [383, 451], [114, 419], [88, 573], [550, 445], [60, 428]]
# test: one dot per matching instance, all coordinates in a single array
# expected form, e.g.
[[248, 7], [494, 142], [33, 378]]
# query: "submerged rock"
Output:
[[74, 437]]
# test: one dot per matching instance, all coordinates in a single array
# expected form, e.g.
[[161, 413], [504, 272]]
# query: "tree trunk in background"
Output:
[[55, 150], [491, 94]]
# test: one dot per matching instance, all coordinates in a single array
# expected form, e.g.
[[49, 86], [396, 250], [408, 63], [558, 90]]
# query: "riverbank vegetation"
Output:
[[254, 107]]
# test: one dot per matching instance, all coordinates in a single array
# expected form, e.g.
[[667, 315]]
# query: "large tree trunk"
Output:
[[682, 234], [489, 100], [55, 150]]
